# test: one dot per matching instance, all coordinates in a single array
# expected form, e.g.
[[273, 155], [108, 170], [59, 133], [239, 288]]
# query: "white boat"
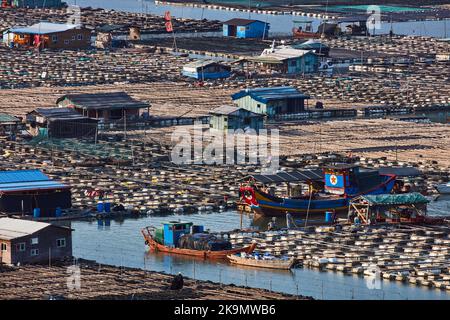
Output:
[[443, 188], [270, 263]]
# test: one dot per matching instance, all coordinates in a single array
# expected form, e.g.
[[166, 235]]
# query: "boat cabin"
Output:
[[348, 179], [339, 177], [170, 233], [173, 230]]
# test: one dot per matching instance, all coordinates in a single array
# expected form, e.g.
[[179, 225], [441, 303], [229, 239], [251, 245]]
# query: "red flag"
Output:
[[169, 27], [167, 16], [37, 40]]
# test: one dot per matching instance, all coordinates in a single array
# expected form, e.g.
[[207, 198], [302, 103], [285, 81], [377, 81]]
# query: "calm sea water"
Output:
[[120, 243], [280, 24]]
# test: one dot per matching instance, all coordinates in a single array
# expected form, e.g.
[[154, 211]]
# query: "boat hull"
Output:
[[267, 205], [155, 246], [267, 264], [305, 35]]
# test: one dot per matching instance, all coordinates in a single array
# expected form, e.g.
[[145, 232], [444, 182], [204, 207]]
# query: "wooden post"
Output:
[[124, 113]]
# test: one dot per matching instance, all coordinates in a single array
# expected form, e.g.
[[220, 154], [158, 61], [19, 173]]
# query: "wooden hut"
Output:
[[61, 123]]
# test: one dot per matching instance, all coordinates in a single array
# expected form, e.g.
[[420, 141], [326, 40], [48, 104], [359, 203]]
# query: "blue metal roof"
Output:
[[21, 180], [265, 95]]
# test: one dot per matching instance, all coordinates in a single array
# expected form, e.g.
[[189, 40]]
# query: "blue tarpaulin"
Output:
[[396, 199]]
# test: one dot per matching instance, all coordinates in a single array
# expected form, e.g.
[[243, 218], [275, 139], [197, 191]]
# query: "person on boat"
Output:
[[271, 225], [288, 220], [334, 218]]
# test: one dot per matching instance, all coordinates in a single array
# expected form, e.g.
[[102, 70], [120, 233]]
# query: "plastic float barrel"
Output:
[[58, 212], [107, 206], [36, 212], [328, 216], [100, 207]]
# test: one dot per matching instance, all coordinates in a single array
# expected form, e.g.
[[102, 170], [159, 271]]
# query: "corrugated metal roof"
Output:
[[110, 100], [26, 180], [200, 63], [240, 22], [60, 114], [227, 110], [310, 45], [224, 110], [265, 95], [22, 176], [284, 53], [203, 63], [292, 176], [5, 118], [16, 228], [45, 28]]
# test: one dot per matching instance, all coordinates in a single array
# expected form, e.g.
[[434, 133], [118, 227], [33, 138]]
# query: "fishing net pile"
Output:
[[203, 241]]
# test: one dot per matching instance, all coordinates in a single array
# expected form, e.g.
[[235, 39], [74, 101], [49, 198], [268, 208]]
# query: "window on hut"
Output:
[[61, 243]]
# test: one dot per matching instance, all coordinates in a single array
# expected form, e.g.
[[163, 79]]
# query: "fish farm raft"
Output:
[[185, 150]]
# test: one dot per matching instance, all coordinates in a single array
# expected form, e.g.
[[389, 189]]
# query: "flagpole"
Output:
[[169, 24], [174, 40]]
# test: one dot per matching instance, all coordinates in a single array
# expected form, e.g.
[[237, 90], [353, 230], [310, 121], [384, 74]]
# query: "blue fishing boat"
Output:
[[329, 190]]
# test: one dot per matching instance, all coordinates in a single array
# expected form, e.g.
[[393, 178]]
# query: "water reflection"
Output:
[[121, 244]]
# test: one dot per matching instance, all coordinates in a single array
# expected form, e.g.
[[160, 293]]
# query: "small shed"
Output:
[[49, 35], [234, 118], [61, 123], [24, 241], [106, 106], [206, 69], [287, 60], [9, 124], [406, 207], [246, 28], [23, 191], [271, 101]]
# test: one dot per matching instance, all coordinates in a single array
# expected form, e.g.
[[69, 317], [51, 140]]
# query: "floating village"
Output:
[[109, 122]]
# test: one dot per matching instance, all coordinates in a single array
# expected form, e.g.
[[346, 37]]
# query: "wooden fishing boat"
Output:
[[303, 30], [205, 254], [262, 263], [340, 184], [300, 34]]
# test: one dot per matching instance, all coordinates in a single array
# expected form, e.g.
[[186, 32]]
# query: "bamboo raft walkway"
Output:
[[100, 282]]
